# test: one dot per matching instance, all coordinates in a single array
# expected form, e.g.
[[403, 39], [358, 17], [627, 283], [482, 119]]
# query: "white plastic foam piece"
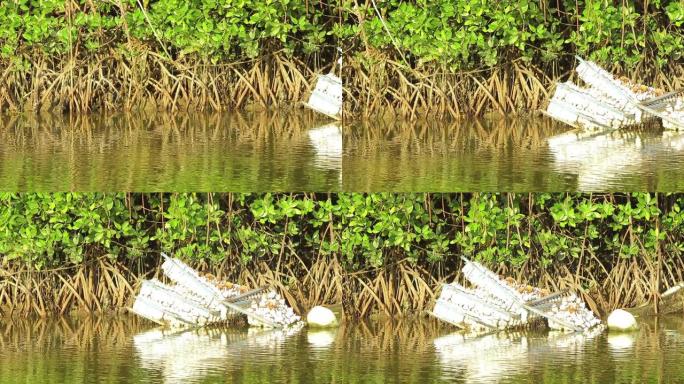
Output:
[[476, 305], [594, 103], [597, 77], [675, 111], [587, 108], [326, 97], [447, 311], [480, 276], [496, 304], [562, 110], [182, 274], [151, 310], [155, 297], [602, 80], [209, 294]]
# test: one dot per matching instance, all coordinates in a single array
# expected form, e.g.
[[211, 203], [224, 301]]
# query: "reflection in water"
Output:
[[483, 358], [126, 349], [182, 356], [327, 142], [601, 159], [499, 355], [513, 154], [159, 151], [320, 339], [621, 342], [188, 356]]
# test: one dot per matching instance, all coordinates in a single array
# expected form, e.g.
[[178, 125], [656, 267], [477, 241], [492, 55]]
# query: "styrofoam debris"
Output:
[[272, 307], [500, 303], [572, 310]]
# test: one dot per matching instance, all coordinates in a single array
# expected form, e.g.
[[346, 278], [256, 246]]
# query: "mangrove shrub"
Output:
[[361, 230], [461, 34]]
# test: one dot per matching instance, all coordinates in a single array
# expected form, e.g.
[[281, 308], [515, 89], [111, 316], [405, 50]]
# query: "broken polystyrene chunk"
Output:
[[326, 97]]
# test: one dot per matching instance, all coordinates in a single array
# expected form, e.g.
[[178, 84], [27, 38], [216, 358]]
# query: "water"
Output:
[[300, 151], [170, 152], [127, 349], [508, 154]]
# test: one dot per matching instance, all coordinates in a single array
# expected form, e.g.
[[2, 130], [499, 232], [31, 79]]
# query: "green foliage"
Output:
[[468, 34], [215, 29], [362, 230], [459, 34]]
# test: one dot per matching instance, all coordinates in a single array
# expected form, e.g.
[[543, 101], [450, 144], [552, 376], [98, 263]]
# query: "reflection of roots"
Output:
[[92, 333], [256, 129], [410, 138]]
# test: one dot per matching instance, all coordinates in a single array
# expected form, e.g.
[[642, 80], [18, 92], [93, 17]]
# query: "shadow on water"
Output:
[[170, 152], [126, 349], [512, 154]]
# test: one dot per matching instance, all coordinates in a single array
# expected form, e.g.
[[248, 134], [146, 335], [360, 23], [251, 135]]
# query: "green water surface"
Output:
[[152, 151], [126, 349]]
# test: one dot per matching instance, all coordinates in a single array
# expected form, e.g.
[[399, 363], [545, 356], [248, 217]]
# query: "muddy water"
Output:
[[126, 349], [170, 152], [507, 154]]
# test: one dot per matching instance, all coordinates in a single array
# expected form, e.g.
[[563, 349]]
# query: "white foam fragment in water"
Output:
[[272, 307], [572, 309]]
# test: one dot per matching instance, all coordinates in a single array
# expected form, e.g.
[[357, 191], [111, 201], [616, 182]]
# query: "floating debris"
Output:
[[272, 307], [326, 97], [586, 108], [166, 304], [198, 300], [475, 309], [612, 103], [573, 311], [675, 110], [497, 304]]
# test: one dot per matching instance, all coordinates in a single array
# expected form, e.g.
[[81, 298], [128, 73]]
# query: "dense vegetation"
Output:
[[469, 34], [370, 252], [464, 34], [50, 230], [84, 54]]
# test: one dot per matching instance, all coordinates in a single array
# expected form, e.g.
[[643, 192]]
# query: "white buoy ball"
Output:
[[621, 320], [321, 317]]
